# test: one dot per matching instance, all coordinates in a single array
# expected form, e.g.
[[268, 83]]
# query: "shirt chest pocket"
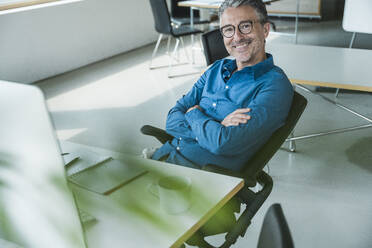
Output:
[[218, 108], [208, 105]]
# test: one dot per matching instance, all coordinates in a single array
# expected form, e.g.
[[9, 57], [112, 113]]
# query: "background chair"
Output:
[[181, 15], [354, 20], [252, 173], [164, 27], [214, 48], [275, 231]]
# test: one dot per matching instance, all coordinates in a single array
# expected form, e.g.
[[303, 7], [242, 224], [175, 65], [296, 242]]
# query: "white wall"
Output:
[[40, 43]]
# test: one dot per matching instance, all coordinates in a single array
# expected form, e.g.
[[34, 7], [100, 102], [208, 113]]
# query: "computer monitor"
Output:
[[37, 208]]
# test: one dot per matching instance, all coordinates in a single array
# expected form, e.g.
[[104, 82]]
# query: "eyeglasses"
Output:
[[245, 27]]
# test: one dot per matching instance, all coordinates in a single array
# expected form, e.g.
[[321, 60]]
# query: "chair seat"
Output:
[[181, 21], [185, 30]]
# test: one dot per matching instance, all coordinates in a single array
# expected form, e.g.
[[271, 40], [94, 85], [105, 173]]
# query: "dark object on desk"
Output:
[[252, 173], [214, 48], [106, 177], [69, 158], [275, 231], [82, 159], [181, 15], [164, 26]]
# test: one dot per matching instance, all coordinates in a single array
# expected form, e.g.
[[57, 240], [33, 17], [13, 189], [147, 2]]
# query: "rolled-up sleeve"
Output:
[[177, 124]]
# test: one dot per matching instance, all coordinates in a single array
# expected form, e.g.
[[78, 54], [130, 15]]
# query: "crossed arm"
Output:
[[233, 119], [244, 126], [177, 124]]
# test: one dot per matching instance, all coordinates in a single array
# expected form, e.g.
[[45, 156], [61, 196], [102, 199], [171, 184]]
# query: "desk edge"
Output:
[[208, 215], [332, 85]]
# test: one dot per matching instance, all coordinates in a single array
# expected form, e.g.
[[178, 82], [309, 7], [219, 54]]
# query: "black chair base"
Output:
[[246, 197]]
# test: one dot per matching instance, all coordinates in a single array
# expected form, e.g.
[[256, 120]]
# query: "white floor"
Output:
[[324, 188]]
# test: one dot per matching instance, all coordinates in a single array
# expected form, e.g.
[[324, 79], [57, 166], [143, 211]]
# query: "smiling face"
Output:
[[247, 49]]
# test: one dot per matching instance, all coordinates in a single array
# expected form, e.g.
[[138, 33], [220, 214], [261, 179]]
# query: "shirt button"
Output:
[[178, 148], [226, 87], [214, 104], [180, 138]]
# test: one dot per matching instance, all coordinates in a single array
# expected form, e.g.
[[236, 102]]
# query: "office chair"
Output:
[[252, 173], [164, 26], [213, 46], [275, 231], [181, 15]]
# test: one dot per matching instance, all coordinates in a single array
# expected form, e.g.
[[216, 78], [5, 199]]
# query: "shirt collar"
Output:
[[229, 66]]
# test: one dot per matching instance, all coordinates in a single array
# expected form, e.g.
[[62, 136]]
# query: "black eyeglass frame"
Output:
[[251, 22]]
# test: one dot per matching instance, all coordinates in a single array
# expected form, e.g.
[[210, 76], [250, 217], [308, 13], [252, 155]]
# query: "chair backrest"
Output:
[[214, 48], [275, 231], [180, 12], [161, 16], [267, 151]]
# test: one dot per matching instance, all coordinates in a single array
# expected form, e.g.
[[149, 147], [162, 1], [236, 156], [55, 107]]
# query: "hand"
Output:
[[192, 108], [237, 117]]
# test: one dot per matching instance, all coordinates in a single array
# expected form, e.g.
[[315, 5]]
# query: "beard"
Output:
[[246, 51]]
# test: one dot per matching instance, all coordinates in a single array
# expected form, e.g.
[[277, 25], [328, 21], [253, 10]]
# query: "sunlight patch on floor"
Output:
[[127, 88]]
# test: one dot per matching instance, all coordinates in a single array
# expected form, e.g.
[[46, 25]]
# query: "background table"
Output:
[[325, 66], [334, 67]]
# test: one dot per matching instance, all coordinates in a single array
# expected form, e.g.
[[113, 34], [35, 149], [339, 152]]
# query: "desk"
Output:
[[342, 68], [131, 216]]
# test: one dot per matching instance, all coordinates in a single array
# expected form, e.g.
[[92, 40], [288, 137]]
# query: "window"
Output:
[[12, 4]]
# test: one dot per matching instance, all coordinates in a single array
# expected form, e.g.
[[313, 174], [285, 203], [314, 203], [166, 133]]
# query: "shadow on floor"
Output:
[[360, 154]]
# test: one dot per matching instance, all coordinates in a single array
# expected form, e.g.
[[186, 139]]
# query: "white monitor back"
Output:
[[37, 208], [357, 16]]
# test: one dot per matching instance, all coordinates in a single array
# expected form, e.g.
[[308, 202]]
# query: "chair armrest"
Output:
[[264, 179], [158, 133], [220, 170], [250, 182]]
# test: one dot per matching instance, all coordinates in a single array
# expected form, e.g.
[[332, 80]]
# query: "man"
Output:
[[236, 105]]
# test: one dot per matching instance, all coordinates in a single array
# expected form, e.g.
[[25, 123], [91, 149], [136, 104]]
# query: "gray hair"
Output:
[[257, 5]]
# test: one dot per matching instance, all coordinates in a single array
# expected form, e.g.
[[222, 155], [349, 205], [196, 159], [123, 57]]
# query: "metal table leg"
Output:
[[341, 130]]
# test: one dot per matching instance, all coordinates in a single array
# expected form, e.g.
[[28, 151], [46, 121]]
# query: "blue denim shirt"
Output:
[[201, 139]]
